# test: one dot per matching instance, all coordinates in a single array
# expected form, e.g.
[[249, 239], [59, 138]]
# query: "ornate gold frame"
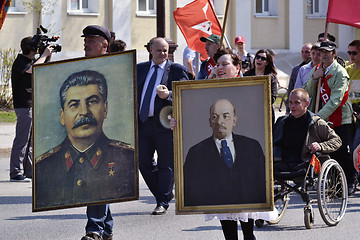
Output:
[[193, 96]]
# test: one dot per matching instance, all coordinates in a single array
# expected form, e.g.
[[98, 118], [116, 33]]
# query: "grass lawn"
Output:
[[7, 116]]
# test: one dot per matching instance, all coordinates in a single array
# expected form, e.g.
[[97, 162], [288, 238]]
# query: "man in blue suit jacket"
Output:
[[154, 80]]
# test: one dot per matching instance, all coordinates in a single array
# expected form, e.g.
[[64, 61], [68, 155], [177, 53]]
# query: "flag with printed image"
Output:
[[4, 8], [195, 20], [315, 162], [344, 12]]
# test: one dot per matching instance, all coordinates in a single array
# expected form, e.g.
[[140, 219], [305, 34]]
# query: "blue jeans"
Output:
[[100, 220]]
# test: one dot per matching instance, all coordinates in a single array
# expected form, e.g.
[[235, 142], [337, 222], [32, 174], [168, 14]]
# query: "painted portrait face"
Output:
[[222, 118], [95, 45], [84, 113], [226, 68], [159, 50]]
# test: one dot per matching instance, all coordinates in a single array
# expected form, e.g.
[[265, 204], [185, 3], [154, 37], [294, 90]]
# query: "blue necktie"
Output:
[[226, 154], [144, 111]]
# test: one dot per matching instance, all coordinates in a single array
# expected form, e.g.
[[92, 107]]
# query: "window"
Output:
[[262, 7], [16, 7], [83, 6], [147, 7], [316, 8], [266, 7]]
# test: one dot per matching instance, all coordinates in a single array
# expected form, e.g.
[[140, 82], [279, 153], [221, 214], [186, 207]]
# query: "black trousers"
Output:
[[343, 155], [230, 229]]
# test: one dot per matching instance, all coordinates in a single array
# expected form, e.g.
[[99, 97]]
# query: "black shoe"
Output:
[[159, 210], [107, 237], [20, 178], [91, 236]]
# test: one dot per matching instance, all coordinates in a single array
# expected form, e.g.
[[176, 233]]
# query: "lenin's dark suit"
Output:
[[209, 181], [103, 172], [153, 136]]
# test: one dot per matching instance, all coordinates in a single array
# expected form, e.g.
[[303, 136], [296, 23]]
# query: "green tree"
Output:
[[7, 58]]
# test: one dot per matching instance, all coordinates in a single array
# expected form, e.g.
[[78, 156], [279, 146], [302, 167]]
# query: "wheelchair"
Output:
[[330, 186]]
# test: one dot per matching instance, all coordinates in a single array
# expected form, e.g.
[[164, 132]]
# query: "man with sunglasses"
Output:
[[354, 92]]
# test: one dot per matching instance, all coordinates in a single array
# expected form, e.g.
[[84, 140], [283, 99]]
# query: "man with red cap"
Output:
[[247, 59]]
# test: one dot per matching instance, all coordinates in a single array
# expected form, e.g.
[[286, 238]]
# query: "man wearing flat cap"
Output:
[[212, 44], [334, 105]]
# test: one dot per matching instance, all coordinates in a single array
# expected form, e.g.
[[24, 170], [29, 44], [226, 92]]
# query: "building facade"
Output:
[[283, 25]]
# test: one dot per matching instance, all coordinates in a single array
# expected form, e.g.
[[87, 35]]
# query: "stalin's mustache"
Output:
[[85, 120]]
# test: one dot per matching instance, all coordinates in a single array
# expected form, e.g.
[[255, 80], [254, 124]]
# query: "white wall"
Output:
[[122, 20], [296, 25]]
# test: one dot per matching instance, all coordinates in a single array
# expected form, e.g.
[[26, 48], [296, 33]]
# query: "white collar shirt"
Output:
[[230, 143], [160, 73]]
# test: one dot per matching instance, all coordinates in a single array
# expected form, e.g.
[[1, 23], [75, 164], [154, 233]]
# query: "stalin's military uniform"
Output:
[[65, 176]]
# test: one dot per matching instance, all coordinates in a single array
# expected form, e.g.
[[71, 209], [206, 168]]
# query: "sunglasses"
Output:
[[352, 53], [260, 57]]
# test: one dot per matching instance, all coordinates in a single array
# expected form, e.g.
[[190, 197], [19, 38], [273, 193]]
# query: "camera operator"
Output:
[[247, 59], [21, 153]]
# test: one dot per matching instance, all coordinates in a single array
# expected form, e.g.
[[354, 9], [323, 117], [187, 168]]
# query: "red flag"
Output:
[[195, 20], [4, 7], [315, 162], [344, 12]]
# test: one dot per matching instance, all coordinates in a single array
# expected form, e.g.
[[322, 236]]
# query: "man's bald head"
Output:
[[222, 118]]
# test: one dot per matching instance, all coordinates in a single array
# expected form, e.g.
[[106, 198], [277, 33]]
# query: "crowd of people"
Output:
[[334, 111]]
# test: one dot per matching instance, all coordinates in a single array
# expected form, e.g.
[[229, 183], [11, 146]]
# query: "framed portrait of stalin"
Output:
[[84, 132], [222, 145]]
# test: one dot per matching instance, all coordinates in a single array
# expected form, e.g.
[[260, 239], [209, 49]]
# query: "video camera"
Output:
[[40, 42], [246, 63]]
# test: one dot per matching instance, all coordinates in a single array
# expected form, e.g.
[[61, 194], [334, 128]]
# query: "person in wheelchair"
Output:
[[300, 134]]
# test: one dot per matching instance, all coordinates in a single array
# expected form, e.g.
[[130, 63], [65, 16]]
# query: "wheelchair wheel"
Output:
[[308, 217], [280, 204], [332, 192]]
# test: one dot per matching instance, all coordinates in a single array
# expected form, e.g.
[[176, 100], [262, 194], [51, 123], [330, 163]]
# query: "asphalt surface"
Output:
[[133, 220]]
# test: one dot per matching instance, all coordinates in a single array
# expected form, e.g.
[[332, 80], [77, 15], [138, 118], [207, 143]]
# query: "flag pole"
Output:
[[319, 81], [224, 23]]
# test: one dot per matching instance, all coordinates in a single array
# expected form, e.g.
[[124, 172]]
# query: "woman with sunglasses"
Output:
[[228, 65], [264, 65]]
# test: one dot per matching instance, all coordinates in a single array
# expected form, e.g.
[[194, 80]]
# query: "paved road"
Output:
[[133, 219]]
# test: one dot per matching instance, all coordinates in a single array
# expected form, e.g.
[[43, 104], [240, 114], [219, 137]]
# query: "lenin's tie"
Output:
[[144, 111], [226, 154]]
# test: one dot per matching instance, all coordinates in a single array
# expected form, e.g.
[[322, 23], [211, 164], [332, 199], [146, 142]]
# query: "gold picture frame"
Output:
[[107, 170], [192, 100]]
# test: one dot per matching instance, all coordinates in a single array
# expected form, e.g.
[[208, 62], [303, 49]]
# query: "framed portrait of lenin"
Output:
[[223, 146], [84, 132]]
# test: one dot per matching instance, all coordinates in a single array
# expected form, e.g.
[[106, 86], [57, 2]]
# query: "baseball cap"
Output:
[[95, 30], [329, 36], [212, 38], [239, 39], [327, 45]]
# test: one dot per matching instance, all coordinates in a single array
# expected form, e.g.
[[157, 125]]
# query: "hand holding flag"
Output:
[[315, 162]]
